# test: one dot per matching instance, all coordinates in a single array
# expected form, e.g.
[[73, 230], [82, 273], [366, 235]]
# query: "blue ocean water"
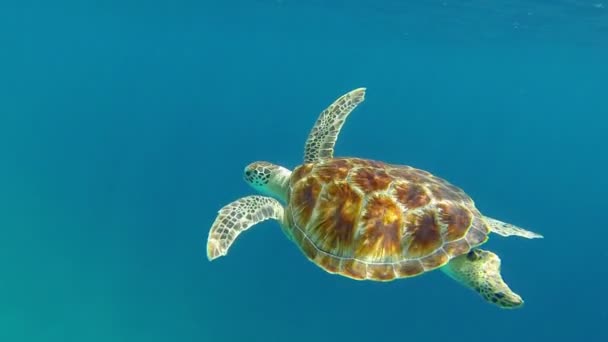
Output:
[[125, 126]]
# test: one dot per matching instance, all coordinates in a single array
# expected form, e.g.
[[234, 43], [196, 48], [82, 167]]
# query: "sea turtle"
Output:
[[367, 219]]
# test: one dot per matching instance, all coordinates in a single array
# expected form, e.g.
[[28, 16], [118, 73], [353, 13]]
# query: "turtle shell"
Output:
[[366, 219]]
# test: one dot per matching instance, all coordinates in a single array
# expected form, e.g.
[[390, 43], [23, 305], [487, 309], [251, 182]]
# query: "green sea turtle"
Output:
[[366, 219]]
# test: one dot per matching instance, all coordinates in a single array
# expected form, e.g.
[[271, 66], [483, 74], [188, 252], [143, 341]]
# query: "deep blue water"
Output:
[[124, 127]]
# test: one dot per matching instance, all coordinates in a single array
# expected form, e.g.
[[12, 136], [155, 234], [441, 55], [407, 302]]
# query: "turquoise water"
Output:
[[124, 127]]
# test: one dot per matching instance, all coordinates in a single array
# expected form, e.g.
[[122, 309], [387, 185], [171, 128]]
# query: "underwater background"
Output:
[[125, 126]]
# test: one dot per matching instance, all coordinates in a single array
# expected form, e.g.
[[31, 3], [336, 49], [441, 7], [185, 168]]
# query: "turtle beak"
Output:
[[507, 300]]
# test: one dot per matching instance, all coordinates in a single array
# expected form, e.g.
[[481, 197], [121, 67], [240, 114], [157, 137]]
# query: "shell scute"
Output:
[[382, 272], [408, 268], [304, 197], [308, 248], [379, 238], [423, 233], [355, 269], [442, 190], [336, 171], [457, 218], [437, 259], [478, 233], [330, 263], [370, 179], [333, 227], [411, 195], [410, 174], [300, 172], [455, 248]]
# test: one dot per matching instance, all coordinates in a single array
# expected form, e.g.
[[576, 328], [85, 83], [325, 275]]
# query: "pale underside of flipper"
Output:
[[238, 216], [322, 138], [507, 229]]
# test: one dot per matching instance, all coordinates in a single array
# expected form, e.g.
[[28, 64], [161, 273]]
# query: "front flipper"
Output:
[[237, 217], [507, 229], [480, 271], [322, 138]]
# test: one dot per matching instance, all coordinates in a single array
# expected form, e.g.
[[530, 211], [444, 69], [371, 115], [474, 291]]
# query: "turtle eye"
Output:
[[473, 255]]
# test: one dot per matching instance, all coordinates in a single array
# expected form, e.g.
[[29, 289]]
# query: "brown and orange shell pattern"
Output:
[[366, 219]]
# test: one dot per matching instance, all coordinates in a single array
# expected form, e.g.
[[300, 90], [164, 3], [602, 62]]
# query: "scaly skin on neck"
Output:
[[268, 179]]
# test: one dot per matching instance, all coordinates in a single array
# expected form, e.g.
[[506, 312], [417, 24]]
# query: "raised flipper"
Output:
[[507, 229], [238, 216], [479, 270], [322, 138]]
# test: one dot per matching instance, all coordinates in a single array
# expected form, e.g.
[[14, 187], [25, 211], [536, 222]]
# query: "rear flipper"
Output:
[[507, 229]]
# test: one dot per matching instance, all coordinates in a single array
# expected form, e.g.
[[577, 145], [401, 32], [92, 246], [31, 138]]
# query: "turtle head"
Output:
[[480, 270], [268, 179]]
